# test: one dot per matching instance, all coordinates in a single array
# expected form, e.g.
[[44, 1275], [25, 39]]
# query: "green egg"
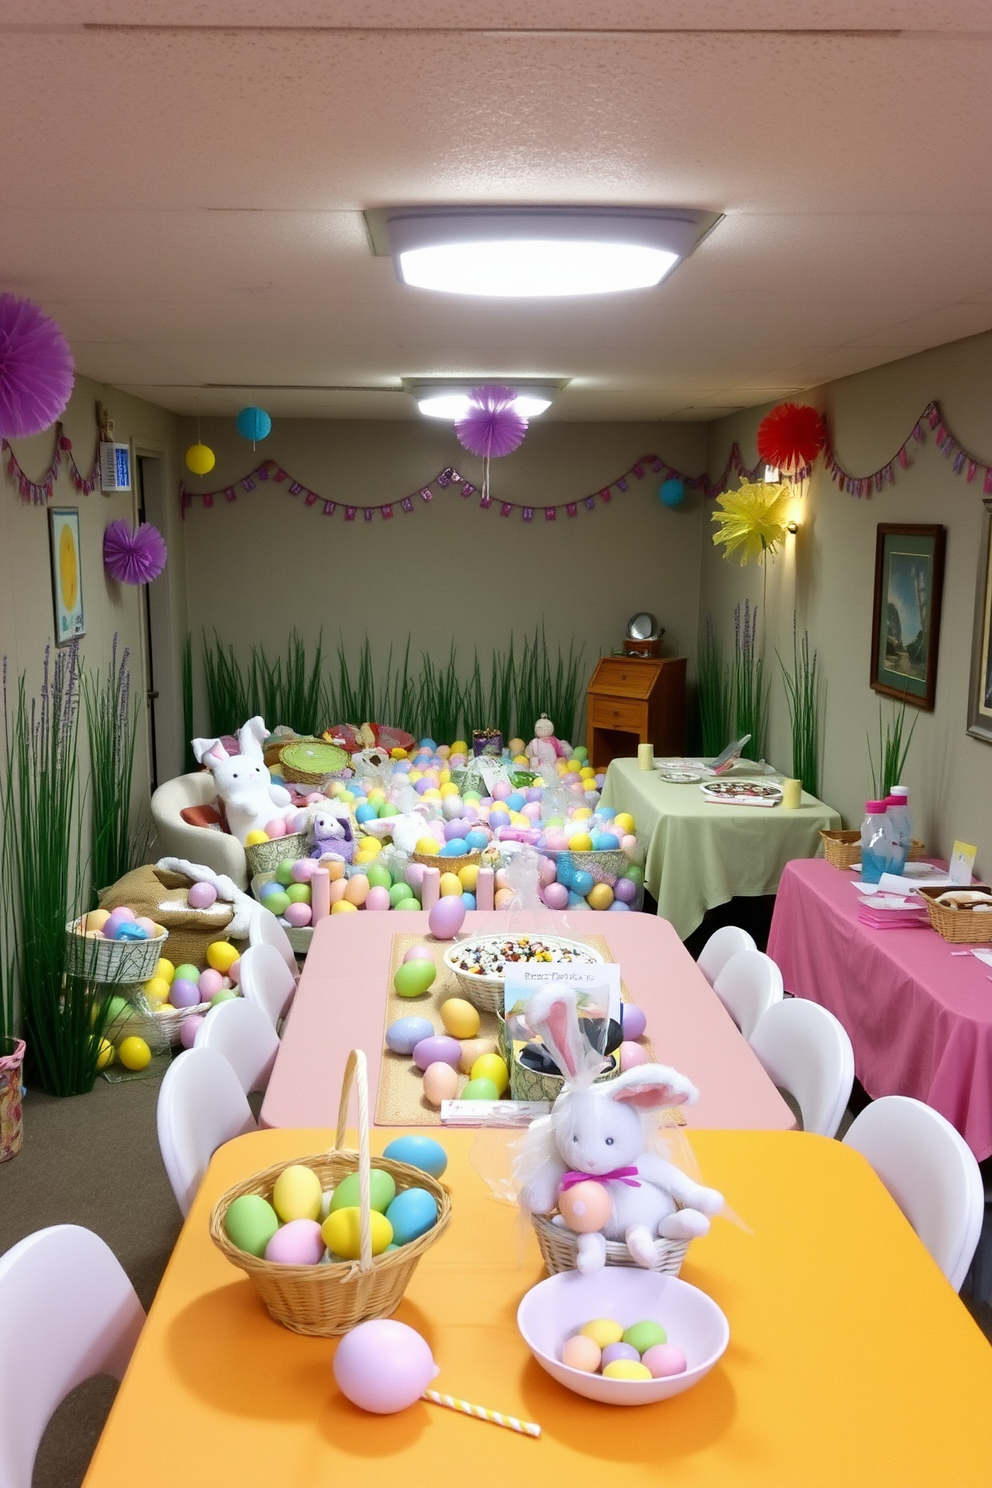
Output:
[[224, 995], [119, 1009], [407, 904], [187, 973], [388, 809], [413, 978], [643, 1336], [398, 893], [481, 1089], [635, 874], [284, 872], [382, 1191], [379, 877], [250, 1223], [278, 902], [298, 893]]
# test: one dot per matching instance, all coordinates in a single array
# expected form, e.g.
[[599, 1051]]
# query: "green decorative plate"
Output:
[[314, 757]]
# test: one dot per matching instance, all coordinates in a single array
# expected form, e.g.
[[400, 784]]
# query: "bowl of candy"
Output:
[[622, 1335], [480, 963]]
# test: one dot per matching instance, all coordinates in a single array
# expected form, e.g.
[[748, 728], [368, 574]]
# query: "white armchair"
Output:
[[179, 839]]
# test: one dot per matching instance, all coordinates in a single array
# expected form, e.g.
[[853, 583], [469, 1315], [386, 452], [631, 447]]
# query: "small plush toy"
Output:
[[596, 1134], [544, 748], [243, 780], [332, 834]]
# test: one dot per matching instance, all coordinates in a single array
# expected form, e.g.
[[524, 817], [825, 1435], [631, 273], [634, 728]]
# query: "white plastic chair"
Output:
[[69, 1313], [723, 944], [265, 979], [806, 1051], [930, 1171], [265, 929], [748, 984], [201, 1105], [240, 1031]]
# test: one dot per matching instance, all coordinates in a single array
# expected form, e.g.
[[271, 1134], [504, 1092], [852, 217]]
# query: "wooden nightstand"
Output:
[[631, 702]]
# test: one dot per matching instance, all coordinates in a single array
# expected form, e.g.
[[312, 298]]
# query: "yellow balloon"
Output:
[[200, 458]]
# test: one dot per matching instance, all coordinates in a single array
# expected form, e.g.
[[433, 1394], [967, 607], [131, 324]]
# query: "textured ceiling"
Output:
[[183, 185]]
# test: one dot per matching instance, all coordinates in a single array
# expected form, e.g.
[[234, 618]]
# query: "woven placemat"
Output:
[[400, 1098]]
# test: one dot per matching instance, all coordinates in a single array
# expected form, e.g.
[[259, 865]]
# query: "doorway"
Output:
[[156, 621]]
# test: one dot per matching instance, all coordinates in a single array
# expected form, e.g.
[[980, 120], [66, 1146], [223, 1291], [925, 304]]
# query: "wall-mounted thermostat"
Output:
[[115, 467]]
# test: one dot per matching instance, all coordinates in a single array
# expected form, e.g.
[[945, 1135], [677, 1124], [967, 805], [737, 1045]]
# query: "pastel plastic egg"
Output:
[[413, 978], [602, 1331], [406, 905], [382, 1191], [419, 953], [624, 822], [275, 828], [157, 989], [440, 1083], [460, 1018], [404, 1034], [221, 955], [189, 1029], [105, 1054], [149, 926], [664, 1359], [183, 993], [298, 915], [208, 983], [555, 896], [97, 919], [645, 1335], [480, 1089], [502, 898], [437, 1049], [383, 1366], [448, 914], [134, 1053], [581, 1353], [357, 890], [297, 1193], [224, 995], [449, 885], [468, 877], [165, 970], [491, 1067], [600, 896], [377, 898], [335, 892], [580, 842], [298, 1243], [418, 1152], [473, 1049], [631, 1055], [585, 1208], [342, 1232], [614, 1351], [344, 906], [379, 877], [411, 1214], [301, 893], [201, 896], [625, 890], [284, 872], [303, 869], [335, 869], [115, 920], [250, 1223]]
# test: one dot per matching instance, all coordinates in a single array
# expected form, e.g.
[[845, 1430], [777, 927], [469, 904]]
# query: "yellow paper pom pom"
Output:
[[753, 519]]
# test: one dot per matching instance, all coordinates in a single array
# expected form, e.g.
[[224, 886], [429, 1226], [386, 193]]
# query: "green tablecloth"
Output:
[[699, 853]]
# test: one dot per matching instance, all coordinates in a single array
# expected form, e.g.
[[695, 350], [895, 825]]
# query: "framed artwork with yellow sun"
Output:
[[67, 579]]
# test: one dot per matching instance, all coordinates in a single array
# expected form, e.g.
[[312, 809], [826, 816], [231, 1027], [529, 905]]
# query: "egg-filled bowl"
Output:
[[560, 1306], [480, 962]]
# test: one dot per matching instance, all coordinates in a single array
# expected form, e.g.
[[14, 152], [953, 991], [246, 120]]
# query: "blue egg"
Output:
[[365, 813], [455, 847], [608, 842], [476, 840], [574, 899], [428, 744], [405, 1032], [582, 882], [516, 802], [276, 779], [418, 1152], [618, 907], [468, 900], [606, 812], [272, 887], [411, 1214], [566, 870]]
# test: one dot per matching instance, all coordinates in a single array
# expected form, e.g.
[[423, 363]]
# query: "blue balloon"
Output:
[[672, 492], [253, 423]]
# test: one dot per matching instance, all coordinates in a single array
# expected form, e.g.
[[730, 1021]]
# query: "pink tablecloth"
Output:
[[340, 1005], [920, 1018]]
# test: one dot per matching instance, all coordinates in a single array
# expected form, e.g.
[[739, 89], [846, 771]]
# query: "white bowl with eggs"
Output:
[[562, 1305], [484, 988]]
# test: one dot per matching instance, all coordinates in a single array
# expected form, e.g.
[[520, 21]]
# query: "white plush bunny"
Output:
[[598, 1132], [243, 781], [406, 830]]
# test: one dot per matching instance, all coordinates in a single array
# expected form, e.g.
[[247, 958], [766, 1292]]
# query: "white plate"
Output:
[[679, 774], [739, 792]]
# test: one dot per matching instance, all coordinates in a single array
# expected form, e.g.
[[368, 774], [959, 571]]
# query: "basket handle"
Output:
[[356, 1071]]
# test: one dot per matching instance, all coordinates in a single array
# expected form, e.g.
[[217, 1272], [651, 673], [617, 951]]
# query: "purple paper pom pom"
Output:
[[35, 368], [492, 426], [133, 557]]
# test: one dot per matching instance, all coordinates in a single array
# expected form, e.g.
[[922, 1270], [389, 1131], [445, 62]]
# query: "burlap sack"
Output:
[[163, 897]]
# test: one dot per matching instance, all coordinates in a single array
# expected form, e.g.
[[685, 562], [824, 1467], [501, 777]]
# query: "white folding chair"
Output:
[[723, 944], [201, 1105], [748, 984], [240, 1031], [265, 979], [930, 1171], [806, 1051], [265, 929], [69, 1313]]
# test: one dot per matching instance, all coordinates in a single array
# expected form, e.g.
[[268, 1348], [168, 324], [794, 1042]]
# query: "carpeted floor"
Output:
[[94, 1160]]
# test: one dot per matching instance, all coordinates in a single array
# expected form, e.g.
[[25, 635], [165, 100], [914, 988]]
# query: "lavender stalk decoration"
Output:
[[111, 728], [133, 556], [36, 368]]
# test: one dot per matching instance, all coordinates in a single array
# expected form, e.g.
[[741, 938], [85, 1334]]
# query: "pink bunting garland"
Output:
[[863, 485], [38, 492]]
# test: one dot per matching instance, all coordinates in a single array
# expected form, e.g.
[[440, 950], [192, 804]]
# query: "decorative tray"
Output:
[[742, 792], [677, 774]]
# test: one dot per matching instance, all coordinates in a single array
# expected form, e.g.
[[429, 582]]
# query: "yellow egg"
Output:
[[343, 906], [473, 1049], [376, 796], [448, 789], [491, 1067], [348, 797], [460, 1018], [426, 846], [521, 759], [414, 776], [297, 1194], [468, 877], [624, 822], [516, 746], [444, 776], [357, 891], [398, 754], [341, 1231], [517, 819], [582, 813], [580, 842], [105, 1055], [587, 772], [626, 1369], [369, 844], [449, 883], [133, 1053], [97, 918], [600, 896], [157, 990], [431, 794], [221, 955], [165, 970], [459, 747], [254, 838], [572, 767], [440, 1083], [603, 1331]]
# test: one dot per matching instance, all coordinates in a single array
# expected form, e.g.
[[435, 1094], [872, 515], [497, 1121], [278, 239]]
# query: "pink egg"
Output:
[[118, 917], [383, 1366], [209, 984], [628, 843], [377, 898], [555, 841], [440, 1083], [187, 1033], [664, 1359], [337, 889], [314, 798], [555, 896], [414, 876], [447, 917], [532, 811], [634, 1021], [298, 1243], [276, 827], [201, 896], [149, 926], [632, 1055], [502, 879], [297, 915], [547, 872], [419, 953], [302, 869], [439, 1049], [234, 972], [585, 1207], [501, 790]]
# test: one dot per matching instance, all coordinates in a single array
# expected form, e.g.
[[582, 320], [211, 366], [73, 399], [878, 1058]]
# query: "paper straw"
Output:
[[525, 1428]]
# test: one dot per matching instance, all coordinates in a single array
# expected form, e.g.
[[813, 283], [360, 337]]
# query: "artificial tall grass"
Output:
[[714, 693], [750, 687], [802, 691], [111, 730], [892, 751]]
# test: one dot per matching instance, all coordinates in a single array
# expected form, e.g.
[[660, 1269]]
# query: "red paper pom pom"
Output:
[[791, 436]]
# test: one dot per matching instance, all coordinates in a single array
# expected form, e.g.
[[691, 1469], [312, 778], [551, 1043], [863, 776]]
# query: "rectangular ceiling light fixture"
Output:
[[448, 398], [536, 252]]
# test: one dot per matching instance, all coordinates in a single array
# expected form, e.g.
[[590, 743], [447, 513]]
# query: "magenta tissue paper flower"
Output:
[[35, 368], [492, 426], [133, 556]]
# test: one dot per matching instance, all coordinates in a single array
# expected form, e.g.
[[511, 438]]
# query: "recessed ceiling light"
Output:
[[537, 252], [446, 398]]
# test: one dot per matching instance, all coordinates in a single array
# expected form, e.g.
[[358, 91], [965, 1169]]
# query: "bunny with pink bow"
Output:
[[243, 781]]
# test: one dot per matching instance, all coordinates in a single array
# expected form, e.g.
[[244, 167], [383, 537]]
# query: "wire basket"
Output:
[[962, 926], [559, 1246], [264, 857], [310, 761], [843, 849], [325, 1300], [116, 962]]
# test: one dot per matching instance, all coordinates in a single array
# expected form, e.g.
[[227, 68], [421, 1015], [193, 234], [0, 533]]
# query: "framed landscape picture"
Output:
[[980, 690], [909, 581], [67, 579]]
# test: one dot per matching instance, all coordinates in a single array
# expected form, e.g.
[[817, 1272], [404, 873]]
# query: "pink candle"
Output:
[[430, 888], [484, 889], [320, 894]]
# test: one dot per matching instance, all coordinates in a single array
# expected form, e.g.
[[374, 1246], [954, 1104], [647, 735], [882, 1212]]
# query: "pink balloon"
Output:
[[383, 1366]]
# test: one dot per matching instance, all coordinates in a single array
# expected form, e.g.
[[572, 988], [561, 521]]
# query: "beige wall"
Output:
[[260, 565], [826, 574]]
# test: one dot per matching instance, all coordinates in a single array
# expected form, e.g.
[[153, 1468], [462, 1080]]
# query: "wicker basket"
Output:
[[263, 857], [326, 1300], [447, 865], [310, 761], [114, 962], [559, 1247], [962, 926], [486, 992], [843, 849]]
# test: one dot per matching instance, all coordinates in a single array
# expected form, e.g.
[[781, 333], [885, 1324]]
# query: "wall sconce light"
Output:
[[792, 527]]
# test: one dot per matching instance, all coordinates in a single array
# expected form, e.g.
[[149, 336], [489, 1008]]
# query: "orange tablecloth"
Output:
[[851, 1360]]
